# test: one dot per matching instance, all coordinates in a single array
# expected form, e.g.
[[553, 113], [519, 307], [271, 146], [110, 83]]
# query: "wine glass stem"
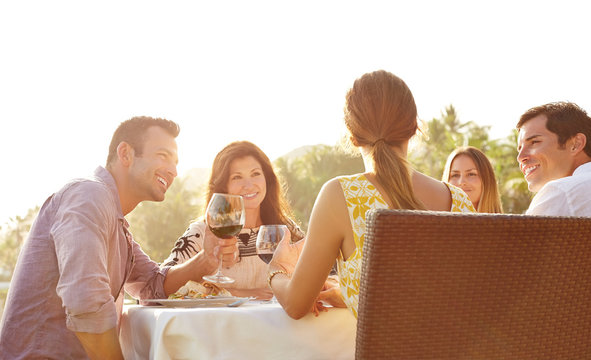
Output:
[[219, 272]]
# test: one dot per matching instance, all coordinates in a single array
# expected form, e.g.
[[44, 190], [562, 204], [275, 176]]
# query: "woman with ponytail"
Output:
[[381, 117]]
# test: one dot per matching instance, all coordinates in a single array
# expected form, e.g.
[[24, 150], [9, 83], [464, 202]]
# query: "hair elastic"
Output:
[[379, 140]]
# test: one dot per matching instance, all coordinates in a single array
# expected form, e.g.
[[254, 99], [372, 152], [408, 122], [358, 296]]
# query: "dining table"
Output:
[[253, 330]]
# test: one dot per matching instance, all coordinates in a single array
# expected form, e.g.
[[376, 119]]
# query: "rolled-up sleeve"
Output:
[[146, 280], [81, 233]]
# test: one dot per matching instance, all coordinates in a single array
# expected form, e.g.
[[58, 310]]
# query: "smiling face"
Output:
[[248, 180], [464, 174], [541, 158], [152, 173]]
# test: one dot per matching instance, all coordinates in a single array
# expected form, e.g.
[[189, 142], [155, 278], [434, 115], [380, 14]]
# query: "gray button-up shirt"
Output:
[[71, 273]]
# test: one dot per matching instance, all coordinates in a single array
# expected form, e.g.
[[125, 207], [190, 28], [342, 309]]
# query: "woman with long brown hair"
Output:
[[242, 168], [469, 169], [381, 117]]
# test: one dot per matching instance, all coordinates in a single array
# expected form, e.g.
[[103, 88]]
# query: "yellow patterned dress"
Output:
[[361, 196]]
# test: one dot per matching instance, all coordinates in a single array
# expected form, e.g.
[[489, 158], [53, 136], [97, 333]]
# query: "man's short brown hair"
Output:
[[565, 119], [133, 132]]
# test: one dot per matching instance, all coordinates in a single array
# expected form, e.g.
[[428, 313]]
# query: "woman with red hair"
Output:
[[242, 168], [381, 117]]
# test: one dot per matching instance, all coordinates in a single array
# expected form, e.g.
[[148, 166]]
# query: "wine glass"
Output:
[[268, 238], [225, 218]]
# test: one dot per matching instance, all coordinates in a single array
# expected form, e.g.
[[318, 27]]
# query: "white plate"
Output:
[[190, 303]]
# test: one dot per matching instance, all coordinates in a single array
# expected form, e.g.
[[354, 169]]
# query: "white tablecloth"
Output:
[[251, 331]]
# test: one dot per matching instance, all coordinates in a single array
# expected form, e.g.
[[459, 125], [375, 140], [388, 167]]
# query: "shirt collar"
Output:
[[585, 168], [105, 176]]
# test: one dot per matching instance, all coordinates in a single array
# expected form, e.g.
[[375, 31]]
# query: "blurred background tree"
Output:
[[156, 226], [515, 195], [428, 154], [440, 136], [304, 175], [12, 235]]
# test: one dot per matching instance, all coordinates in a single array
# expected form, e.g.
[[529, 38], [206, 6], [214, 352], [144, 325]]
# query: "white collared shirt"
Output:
[[568, 196]]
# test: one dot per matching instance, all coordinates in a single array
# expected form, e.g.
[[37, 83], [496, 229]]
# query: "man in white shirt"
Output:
[[554, 146]]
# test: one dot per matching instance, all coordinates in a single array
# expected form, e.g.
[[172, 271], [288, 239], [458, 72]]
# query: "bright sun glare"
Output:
[[268, 72]]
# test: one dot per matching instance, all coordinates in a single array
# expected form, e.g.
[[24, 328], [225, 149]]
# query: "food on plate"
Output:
[[194, 290], [215, 290]]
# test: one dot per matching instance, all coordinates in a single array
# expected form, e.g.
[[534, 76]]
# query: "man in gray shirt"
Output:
[[66, 295]]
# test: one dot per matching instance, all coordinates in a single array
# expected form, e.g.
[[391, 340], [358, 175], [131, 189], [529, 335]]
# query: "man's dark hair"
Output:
[[565, 119], [133, 132]]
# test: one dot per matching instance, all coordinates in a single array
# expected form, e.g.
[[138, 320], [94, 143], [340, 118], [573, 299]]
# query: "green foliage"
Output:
[[441, 136], [13, 234], [3, 294], [156, 226], [306, 174], [515, 195], [428, 155]]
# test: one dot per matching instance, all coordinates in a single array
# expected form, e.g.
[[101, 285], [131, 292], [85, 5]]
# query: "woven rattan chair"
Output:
[[474, 286]]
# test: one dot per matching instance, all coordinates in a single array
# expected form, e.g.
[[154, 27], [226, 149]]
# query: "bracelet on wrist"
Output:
[[272, 275]]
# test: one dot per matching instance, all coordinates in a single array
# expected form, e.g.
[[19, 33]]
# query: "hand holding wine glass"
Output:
[[216, 248], [268, 238], [225, 218], [286, 254]]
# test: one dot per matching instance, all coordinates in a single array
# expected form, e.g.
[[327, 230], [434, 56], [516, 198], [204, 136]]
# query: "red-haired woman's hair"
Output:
[[274, 208], [381, 113]]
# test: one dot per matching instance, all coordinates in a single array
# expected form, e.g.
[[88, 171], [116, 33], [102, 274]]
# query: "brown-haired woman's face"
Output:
[[248, 180], [464, 174]]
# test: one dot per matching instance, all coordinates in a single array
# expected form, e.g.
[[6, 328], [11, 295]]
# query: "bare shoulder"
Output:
[[332, 185], [329, 201], [433, 193], [331, 190], [329, 220]]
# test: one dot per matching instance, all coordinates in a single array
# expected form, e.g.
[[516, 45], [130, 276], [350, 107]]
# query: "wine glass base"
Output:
[[218, 278]]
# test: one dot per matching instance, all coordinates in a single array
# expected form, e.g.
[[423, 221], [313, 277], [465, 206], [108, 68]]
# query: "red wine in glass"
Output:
[[266, 257], [225, 218], [226, 232], [268, 238]]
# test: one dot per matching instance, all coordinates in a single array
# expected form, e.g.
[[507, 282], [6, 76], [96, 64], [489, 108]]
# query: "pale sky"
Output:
[[271, 72]]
